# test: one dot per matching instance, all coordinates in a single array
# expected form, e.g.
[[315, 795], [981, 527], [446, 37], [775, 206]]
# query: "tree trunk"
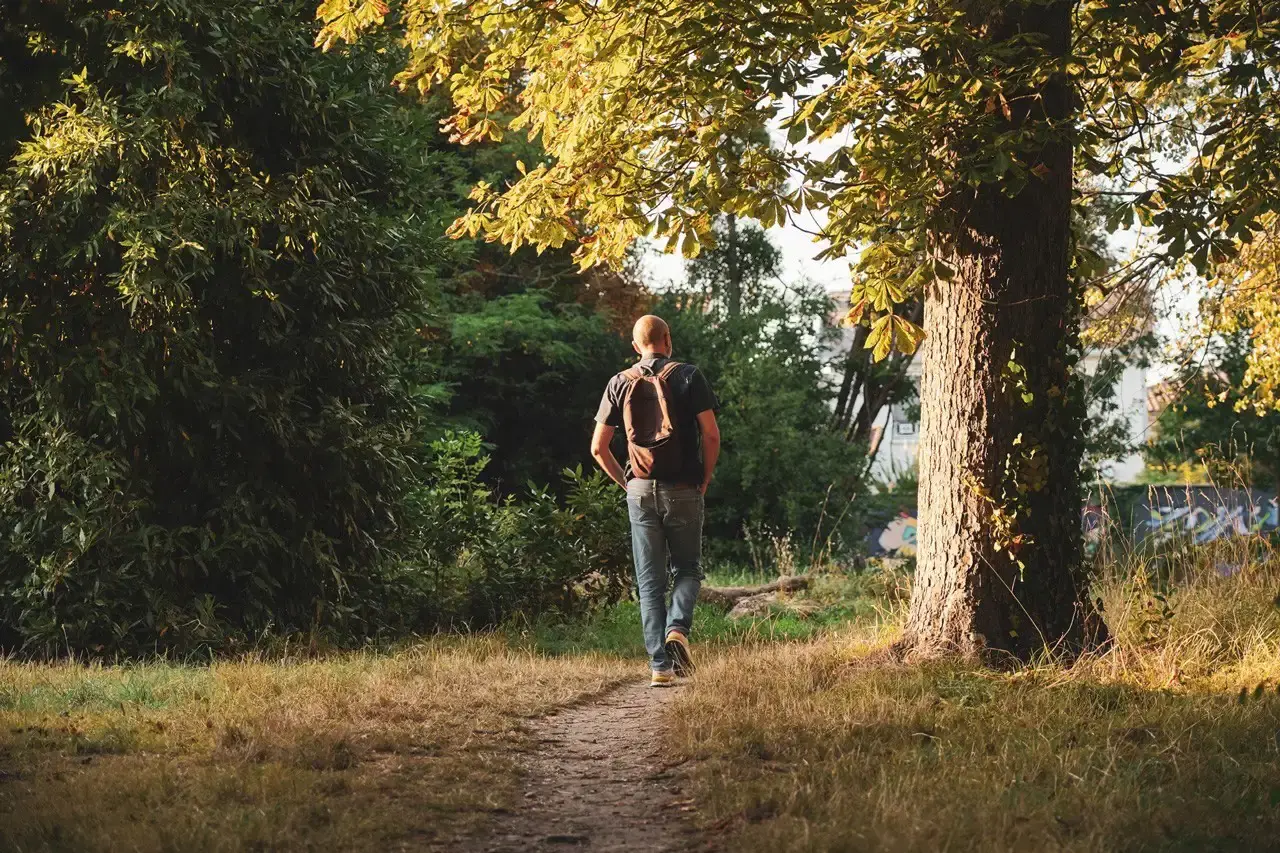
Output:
[[999, 540], [854, 367], [734, 280]]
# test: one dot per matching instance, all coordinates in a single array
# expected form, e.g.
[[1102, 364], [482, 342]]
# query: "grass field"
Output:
[[351, 752], [1167, 741], [811, 749], [797, 734]]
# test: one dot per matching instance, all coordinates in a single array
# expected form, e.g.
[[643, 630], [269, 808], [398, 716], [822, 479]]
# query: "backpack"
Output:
[[648, 415]]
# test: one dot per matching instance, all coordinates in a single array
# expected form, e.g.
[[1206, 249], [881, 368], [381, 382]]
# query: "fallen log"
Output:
[[727, 596]]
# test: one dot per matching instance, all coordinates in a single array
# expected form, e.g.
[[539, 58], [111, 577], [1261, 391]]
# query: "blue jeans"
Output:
[[666, 521]]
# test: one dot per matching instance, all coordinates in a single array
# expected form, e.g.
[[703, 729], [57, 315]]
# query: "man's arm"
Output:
[[603, 453], [710, 446]]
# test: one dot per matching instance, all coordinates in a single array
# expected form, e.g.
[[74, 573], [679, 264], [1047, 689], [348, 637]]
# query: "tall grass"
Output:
[[1164, 740], [1184, 612]]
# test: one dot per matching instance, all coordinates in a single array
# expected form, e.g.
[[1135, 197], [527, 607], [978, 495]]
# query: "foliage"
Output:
[[781, 468], [1116, 328], [912, 100], [478, 561], [1243, 300], [1213, 420], [526, 372], [738, 268], [216, 241]]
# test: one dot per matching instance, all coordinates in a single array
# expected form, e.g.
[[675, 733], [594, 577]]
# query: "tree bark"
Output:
[[733, 282], [1000, 447]]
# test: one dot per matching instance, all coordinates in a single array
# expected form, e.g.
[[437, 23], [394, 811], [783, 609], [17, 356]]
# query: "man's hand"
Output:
[[710, 447], [603, 455]]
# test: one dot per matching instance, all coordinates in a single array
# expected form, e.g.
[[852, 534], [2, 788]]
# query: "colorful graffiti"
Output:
[[1197, 514], [1205, 514], [1094, 522], [897, 538]]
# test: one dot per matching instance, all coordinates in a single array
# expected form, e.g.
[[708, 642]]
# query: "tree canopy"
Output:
[[940, 142], [634, 104]]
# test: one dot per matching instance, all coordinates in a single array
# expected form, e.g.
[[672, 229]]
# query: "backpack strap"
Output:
[[669, 368]]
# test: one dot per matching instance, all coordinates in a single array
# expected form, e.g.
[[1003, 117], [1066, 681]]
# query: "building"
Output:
[[896, 437]]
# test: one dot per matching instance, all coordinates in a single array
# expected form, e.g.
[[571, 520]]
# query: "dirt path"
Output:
[[598, 781]]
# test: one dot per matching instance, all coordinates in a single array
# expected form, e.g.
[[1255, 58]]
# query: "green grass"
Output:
[[151, 686], [836, 601], [616, 631]]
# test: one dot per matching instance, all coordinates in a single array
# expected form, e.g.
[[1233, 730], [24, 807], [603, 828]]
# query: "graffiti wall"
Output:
[[895, 539], [1203, 514], [1149, 514]]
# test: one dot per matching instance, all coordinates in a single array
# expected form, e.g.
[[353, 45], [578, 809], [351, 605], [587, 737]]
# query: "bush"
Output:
[[479, 561], [527, 373], [213, 239]]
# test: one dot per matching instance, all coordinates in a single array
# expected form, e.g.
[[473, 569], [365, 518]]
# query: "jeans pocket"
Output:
[[684, 506]]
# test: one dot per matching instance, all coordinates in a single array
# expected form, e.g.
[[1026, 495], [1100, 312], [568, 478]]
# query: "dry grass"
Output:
[[354, 752], [1151, 746], [815, 745]]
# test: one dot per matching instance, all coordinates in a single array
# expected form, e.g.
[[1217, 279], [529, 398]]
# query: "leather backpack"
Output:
[[654, 444]]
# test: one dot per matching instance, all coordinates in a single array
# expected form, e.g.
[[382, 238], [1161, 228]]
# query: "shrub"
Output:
[[479, 561], [212, 237]]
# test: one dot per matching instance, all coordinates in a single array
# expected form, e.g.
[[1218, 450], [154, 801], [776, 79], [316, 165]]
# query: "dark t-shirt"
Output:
[[691, 395]]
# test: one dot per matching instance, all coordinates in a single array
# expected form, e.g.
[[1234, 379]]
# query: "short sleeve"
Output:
[[610, 411], [701, 397]]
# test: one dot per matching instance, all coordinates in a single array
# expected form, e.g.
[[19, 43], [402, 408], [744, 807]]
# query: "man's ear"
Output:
[[635, 346]]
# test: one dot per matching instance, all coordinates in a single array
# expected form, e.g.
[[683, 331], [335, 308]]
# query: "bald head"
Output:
[[651, 335]]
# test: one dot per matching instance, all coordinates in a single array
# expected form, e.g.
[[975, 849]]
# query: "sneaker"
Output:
[[678, 653], [662, 678]]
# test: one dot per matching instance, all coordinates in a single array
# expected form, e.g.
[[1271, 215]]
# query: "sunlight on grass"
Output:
[[1169, 740], [350, 752], [800, 734]]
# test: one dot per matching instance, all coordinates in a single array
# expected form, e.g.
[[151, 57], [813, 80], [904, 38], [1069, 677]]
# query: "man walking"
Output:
[[668, 413]]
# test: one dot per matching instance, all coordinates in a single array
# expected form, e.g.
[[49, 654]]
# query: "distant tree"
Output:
[[1215, 419], [738, 269], [527, 372], [742, 267], [951, 136], [782, 468]]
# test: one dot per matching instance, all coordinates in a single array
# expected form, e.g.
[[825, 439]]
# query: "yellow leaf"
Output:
[[854, 317]]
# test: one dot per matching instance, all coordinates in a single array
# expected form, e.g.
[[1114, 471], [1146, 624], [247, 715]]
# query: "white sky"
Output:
[[798, 250], [1175, 307]]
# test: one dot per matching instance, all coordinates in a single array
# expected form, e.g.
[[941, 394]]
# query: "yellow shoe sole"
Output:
[[678, 653]]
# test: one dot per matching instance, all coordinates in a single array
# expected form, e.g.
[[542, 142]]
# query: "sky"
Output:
[[798, 250], [1175, 306]]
